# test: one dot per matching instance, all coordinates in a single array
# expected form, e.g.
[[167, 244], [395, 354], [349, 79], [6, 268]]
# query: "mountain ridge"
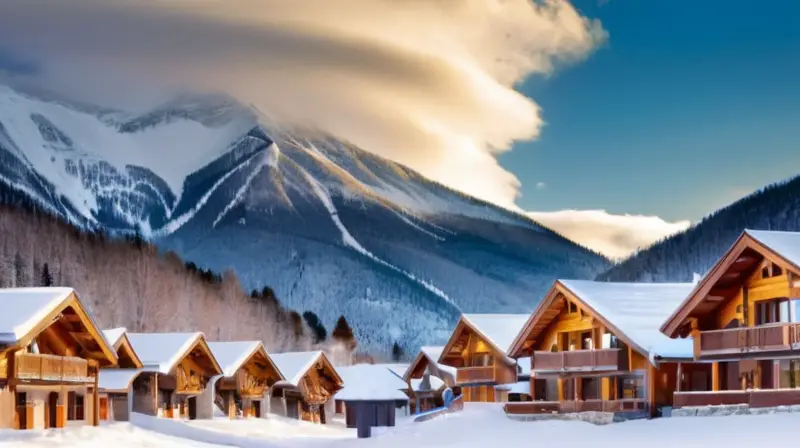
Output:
[[332, 228]]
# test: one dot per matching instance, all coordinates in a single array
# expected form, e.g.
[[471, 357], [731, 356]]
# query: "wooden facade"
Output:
[[743, 318], [580, 362], [170, 387], [307, 393], [115, 382], [481, 363], [48, 374], [248, 375]]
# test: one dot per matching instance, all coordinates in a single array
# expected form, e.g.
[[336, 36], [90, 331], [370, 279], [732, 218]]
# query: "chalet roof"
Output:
[[433, 383], [785, 244], [398, 369], [293, 366], [782, 248], [370, 382], [24, 308], [432, 355], [117, 380], [232, 355], [636, 311], [160, 352], [499, 330], [114, 335]]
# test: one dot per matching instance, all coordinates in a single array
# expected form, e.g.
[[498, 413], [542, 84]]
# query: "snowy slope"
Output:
[[331, 228]]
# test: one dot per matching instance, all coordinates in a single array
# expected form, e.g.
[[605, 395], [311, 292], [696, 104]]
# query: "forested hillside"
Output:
[[129, 283], [776, 207]]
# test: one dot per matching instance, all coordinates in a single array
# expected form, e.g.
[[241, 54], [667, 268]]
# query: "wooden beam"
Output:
[[678, 377], [715, 376]]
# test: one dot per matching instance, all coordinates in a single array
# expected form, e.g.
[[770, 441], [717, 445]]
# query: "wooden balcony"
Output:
[[568, 407], [61, 369], [612, 359], [466, 375], [752, 340], [753, 398]]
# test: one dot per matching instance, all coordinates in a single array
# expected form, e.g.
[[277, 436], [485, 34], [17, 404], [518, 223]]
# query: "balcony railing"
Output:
[[763, 398], [34, 366], [475, 374], [764, 338], [571, 406], [612, 359]]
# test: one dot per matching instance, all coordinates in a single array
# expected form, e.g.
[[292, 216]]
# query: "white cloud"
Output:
[[428, 83], [615, 236], [541, 185]]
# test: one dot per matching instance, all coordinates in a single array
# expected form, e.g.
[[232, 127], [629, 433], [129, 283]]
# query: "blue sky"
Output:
[[689, 106]]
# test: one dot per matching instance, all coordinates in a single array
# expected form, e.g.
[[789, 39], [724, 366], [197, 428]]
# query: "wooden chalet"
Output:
[[247, 375], [177, 369], [307, 391], [427, 379], [374, 396], [115, 382], [744, 320], [596, 346], [50, 352], [478, 349]]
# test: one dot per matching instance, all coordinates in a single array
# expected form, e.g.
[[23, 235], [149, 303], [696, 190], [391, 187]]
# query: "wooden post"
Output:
[[650, 380], [605, 388], [678, 377], [96, 406], [560, 383], [715, 376]]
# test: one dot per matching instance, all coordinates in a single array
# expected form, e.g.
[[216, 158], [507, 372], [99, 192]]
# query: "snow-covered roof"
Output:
[[24, 308], [114, 335], [294, 365], [433, 354], [500, 330], [637, 310], [160, 352], [232, 355], [118, 380], [418, 383], [398, 369], [522, 387], [786, 244], [370, 382]]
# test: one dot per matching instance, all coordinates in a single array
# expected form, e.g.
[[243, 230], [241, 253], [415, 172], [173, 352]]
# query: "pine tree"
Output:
[[46, 278], [397, 352], [318, 330], [344, 334]]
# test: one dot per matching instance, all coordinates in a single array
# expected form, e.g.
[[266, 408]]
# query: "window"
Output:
[[482, 360], [573, 308], [773, 311], [790, 374], [74, 407], [631, 387], [611, 341]]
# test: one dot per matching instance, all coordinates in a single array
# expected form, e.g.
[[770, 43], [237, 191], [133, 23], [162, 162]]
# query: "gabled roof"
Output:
[[26, 312], [431, 355], [161, 352], [785, 244], [632, 311], [118, 338], [293, 366], [24, 308], [233, 355], [117, 380], [368, 382], [781, 248], [498, 330], [114, 335]]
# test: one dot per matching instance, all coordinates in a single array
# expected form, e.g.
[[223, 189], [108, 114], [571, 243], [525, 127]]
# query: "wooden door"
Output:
[[192, 405], [257, 409], [103, 408], [51, 411]]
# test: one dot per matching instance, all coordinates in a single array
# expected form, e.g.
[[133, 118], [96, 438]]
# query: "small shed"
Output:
[[372, 397]]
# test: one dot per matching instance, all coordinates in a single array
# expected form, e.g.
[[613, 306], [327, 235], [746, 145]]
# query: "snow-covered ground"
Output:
[[478, 425]]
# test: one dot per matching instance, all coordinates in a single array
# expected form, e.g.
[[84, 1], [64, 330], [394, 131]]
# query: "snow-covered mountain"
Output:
[[331, 228]]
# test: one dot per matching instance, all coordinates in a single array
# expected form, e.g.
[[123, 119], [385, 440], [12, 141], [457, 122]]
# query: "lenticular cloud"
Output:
[[428, 83]]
